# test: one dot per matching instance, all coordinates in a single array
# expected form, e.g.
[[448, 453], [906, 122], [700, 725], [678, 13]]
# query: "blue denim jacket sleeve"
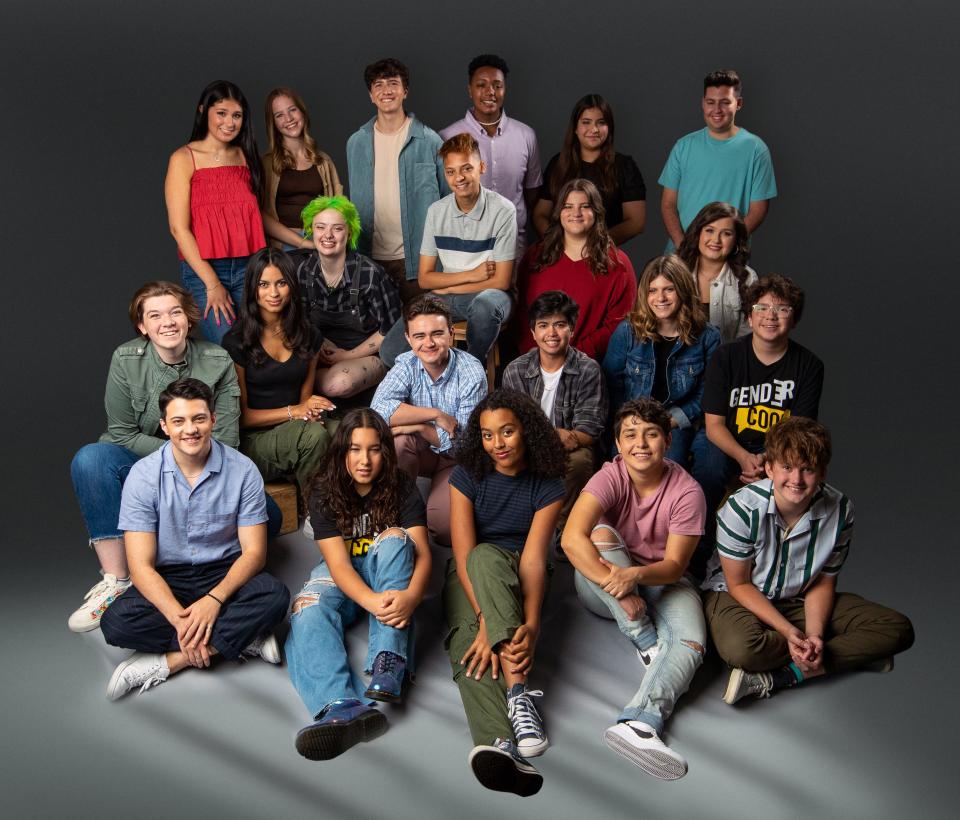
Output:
[[695, 359], [615, 363]]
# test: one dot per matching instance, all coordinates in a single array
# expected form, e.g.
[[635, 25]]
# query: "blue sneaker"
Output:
[[387, 681], [500, 768], [342, 724]]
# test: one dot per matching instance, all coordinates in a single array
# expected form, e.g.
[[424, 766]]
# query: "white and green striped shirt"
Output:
[[785, 564]]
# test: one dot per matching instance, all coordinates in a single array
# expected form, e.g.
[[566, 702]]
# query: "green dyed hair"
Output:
[[339, 203]]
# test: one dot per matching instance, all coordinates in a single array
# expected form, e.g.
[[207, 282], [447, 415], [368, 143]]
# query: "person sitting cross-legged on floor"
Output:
[[371, 528], [194, 517], [772, 603]]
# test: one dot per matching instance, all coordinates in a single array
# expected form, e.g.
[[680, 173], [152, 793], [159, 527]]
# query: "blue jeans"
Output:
[[230, 272], [99, 471], [677, 616], [316, 654], [485, 313], [709, 470]]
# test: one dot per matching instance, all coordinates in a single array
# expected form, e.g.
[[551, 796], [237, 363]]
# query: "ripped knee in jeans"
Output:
[[304, 600], [694, 645]]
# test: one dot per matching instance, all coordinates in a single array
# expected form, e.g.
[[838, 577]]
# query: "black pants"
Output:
[[132, 622]]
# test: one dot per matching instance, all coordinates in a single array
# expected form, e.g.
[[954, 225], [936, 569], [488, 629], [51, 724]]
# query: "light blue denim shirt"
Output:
[[195, 525], [421, 183], [630, 366]]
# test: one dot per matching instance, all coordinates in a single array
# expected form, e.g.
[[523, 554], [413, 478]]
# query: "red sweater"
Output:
[[604, 300]]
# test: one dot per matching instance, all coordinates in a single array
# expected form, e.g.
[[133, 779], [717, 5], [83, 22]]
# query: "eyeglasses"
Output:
[[776, 310]]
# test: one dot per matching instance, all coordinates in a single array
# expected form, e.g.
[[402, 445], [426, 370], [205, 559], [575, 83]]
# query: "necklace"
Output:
[[493, 122], [336, 281]]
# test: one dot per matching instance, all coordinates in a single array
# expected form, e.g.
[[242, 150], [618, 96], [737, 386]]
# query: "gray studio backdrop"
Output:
[[857, 103]]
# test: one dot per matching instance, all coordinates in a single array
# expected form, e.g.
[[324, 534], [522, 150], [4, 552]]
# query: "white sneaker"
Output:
[[140, 670], [743, 683], [527, 723], [641, 745], [95, 603], [266, 647], [647, 655]]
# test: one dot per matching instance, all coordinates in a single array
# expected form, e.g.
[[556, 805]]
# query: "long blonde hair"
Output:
[[691, 318], [280, 157]]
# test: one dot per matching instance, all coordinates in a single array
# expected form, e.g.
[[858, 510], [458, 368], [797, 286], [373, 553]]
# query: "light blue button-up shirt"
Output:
[[195, 525], [456, 392]]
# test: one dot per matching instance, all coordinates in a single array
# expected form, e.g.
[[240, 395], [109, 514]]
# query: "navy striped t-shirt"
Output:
[[504, 505]]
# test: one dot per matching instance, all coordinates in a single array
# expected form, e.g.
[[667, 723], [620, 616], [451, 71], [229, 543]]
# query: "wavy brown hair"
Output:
[[600, 252], [544, 453], [568, 160], [181, 294], [691, 319], [280, 158], [333, 486], [689, 250]]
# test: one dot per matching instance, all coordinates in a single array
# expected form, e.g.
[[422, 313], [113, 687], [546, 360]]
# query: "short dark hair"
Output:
[[488, 61], [553, 303], [645, 408], [780, 286], [387, 67], [799, 441], [427, 306], [725, 76], [187, 388], [151, 289]]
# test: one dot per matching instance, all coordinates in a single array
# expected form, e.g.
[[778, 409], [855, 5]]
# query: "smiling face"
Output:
[[364, 458], [487, 89], [430, 338], [552, 334], [287, 117], [502, 436], [330, 233], [388, 94], [166, 325], [717, 239], [462, 172], [662, 299], [224, 119], [189, 425], [772, 321], [273, 291], [577, 216], [592, 129], [642, 445], [720, 106], [794, 485]]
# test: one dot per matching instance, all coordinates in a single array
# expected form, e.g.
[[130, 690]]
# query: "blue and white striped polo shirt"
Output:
[[465, 240], [785, 564]]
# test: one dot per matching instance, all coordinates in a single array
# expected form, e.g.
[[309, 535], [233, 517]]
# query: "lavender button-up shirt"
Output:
[[512, 161]]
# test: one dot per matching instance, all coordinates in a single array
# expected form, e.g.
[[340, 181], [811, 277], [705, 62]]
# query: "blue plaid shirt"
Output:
[[456, 392]]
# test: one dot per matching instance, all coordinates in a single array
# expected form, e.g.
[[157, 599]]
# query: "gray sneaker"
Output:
[[266, 647], [501, 769], [743, 683]]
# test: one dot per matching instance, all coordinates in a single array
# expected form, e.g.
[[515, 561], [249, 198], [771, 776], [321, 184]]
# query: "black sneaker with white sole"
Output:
[[501, 769]]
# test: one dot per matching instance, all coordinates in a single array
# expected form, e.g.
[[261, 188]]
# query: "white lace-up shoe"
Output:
[[140, 669], [95, 603], [640, 744]]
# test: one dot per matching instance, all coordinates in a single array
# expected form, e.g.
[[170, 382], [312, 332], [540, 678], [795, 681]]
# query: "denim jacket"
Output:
[[630, 366], [725, 311], [137, 377], [421, 183]]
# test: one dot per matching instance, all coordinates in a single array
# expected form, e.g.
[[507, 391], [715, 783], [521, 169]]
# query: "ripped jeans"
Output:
[[316, 654], [677, 616]]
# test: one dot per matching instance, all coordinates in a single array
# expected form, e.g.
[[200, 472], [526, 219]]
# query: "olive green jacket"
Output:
[[138, 376]]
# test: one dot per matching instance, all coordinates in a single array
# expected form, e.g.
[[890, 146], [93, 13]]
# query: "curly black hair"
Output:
[[545, 453]]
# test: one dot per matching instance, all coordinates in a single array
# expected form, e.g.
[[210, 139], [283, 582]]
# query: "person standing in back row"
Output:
[[720, 163]]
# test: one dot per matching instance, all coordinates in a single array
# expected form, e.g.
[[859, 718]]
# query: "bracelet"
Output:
[[218, 285], [289, 414], [215, 598]]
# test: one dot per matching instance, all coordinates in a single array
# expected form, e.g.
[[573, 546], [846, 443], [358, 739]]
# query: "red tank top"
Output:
[[224, 214]]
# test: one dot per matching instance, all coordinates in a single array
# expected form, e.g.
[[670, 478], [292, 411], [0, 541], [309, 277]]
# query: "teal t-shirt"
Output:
[[703, 170]]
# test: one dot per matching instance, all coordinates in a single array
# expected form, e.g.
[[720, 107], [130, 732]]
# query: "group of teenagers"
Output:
[[329, 359]]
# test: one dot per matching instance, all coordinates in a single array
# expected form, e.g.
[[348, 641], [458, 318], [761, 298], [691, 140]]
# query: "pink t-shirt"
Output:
[[677, 507]]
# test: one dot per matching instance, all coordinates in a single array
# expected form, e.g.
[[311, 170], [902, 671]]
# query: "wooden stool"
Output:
[[285, 495], [493, 357]]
